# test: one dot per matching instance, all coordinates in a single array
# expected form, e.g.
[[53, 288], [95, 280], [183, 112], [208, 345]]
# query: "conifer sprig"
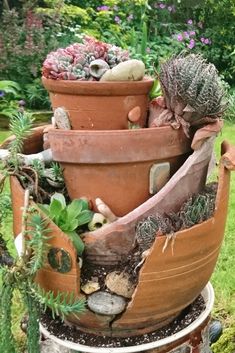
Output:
[[37, 242], [61, 305], [20, 126]]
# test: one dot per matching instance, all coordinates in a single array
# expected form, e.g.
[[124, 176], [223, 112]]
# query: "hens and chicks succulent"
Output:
[[73, 62]]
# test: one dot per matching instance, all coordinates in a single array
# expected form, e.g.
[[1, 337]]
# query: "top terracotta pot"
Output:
[[99, 105]]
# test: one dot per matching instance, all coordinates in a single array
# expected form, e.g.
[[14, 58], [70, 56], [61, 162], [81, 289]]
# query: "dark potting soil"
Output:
[[71, 333]]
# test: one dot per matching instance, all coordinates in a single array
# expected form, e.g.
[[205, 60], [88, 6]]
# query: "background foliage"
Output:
[[152, 30]]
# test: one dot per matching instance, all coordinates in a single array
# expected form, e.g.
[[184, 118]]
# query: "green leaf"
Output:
[[84, 217], [77, 242], [69, 225], [59, 197], [76, 207], [55, 209]]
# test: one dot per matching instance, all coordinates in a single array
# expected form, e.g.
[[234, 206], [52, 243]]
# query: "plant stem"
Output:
[[24, 220]]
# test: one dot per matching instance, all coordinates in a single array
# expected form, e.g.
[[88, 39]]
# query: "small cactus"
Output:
[[192, 88], [73, 62]]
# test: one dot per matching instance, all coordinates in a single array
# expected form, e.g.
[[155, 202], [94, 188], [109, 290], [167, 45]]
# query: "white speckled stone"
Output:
[[105, 303]]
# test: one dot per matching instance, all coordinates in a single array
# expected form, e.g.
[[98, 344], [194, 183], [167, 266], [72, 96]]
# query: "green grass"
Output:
[[223, 278]]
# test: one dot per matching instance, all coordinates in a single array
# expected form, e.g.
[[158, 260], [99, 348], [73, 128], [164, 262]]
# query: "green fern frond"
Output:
[[37, 242], [61, 305], [20, 126]]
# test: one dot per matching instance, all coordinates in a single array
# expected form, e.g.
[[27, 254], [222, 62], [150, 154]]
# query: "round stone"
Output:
[[106, 303]]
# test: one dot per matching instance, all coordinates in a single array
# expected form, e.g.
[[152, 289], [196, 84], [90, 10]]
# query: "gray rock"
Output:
[[106, 304]]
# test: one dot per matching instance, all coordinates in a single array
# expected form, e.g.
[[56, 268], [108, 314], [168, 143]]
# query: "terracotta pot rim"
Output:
[[93, 147], [120, 132], [97, 88]]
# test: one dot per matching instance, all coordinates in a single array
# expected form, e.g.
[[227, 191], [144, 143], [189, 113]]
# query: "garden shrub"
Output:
[[152, 31]]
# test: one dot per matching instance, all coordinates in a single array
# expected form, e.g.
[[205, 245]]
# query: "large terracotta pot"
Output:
[[99, 105], [115, 165], [168, 281]]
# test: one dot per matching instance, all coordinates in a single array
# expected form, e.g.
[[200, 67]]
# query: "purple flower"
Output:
[[191, 44], [162, 6], [179, 37], [207, 41], [2, 94], [170, 8], [21, 103], [103, 8], [192, 33], [190, 22], [202, 39], [130, 17], [117, 19], [186, 35]]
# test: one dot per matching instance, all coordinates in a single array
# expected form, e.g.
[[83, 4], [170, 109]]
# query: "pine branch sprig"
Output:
[[61, 305], [20, 126], [37, 242]]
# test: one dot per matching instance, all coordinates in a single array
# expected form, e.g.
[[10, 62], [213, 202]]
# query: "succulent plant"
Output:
[[74, 62], [192, 88]]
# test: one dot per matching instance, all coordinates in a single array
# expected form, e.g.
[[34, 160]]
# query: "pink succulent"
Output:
[[72, 63]]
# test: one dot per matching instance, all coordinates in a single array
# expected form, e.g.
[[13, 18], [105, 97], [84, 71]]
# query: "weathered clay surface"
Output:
[[110, 243], [119, 283], [99, 105], [120, 176], [105, 303]]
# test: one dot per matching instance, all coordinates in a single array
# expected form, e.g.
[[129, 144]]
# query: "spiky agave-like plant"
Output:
[[192, 88]]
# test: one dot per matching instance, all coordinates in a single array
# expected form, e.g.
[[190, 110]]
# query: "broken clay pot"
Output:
[[168, 281], [115, 165], [95, 105]]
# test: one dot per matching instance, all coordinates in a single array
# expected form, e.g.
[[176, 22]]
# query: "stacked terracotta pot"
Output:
[[102, 158]]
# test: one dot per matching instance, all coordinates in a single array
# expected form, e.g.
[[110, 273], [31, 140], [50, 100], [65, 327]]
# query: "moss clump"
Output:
[[226, 343]]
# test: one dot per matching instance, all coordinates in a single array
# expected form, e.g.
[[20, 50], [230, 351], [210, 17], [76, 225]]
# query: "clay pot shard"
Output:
[[130, 70], [98, 68], [108, 244]]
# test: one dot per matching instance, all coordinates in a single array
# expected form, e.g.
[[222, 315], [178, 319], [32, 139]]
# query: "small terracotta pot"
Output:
[[99, 105], [115, 165]]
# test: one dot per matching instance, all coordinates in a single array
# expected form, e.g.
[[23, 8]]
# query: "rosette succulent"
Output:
[[74, 62]]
